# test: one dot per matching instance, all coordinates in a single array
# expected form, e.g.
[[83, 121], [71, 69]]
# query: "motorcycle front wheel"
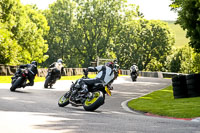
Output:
[[95, 102], [16, 84], [64, 100]]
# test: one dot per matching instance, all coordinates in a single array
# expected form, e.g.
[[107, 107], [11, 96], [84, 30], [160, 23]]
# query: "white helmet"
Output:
[[59, 61]]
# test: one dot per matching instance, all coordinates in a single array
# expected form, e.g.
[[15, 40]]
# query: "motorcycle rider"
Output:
[[58, 67], [32, 71], [134, 68], [106, 74]]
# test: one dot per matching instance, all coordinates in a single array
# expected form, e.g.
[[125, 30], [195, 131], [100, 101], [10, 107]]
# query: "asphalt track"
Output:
[[35, 110]]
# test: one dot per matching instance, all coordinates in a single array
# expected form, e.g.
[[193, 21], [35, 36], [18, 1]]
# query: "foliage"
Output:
[[25, 27], [105, 29], [60, 17], [96, 25], [80, 31], [183, 60], [144, 42], [173, 61], [189, 19], [8, 47], [162, 103], [86, 28], [196, 63]]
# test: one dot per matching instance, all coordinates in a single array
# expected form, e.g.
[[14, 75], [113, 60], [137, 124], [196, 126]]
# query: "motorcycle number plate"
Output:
[[107, 91]]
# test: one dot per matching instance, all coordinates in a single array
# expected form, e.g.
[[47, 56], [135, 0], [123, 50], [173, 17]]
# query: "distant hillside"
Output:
[[180, 34]]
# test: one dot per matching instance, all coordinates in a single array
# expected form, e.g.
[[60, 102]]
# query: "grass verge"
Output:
[[162, 103], [7, 79]]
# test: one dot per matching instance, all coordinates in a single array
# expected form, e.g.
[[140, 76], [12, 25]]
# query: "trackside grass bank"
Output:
[[162, 103], [7, 79]]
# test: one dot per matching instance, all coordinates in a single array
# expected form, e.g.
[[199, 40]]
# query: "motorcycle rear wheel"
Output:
[[95, 102], [48, 79], [16, 84], [64, 100], [133, 77]]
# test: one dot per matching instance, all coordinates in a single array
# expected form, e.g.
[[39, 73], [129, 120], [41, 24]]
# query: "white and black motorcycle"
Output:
[[134, 73], [52, 76]]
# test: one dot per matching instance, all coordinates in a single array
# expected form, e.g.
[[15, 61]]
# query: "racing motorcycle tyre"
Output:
[[64, 100], [47, 81], [16, 84], [95, 102], [133, 77]]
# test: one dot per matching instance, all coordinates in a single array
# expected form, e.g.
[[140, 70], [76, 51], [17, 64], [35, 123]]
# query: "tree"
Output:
[[97, 23], [189, 19], [8, 47], [143, 41], [184, 60], [88, 28], [26, 27], [60, 17], [105, 29]]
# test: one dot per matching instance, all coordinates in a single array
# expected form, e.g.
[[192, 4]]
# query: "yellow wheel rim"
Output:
[[88, 102], [63, 100]]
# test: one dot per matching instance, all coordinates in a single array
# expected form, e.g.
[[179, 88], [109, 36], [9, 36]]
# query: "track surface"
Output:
[[35, 110]]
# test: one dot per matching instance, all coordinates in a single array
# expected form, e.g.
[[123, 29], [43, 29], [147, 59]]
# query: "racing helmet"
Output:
[[110, 64], [59, 61], [34, 62]]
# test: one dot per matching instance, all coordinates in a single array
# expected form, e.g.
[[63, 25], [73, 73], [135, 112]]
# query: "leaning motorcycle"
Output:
[[90, 101], [51, 78], [19, 79]]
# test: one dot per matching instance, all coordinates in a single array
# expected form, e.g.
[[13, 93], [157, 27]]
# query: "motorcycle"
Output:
[[90, 101], [51, 78], [19, 79], [134, 74]]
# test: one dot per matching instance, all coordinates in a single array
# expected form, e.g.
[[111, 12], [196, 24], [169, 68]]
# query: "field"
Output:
[[180, 34]]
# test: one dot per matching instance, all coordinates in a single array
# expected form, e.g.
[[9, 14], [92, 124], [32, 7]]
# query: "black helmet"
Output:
[[59, 61], [34, 62], [110, 64]]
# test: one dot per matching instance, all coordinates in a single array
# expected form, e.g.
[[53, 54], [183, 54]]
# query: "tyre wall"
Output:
[[193, 85], [179, 86], [186, 85]]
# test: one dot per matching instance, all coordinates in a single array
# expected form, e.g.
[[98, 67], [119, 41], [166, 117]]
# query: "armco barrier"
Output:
[[6, 70], [144, 74]]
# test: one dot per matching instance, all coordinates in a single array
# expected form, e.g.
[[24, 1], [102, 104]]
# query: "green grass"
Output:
[[162, 103], [7, 79], [180, 34]]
